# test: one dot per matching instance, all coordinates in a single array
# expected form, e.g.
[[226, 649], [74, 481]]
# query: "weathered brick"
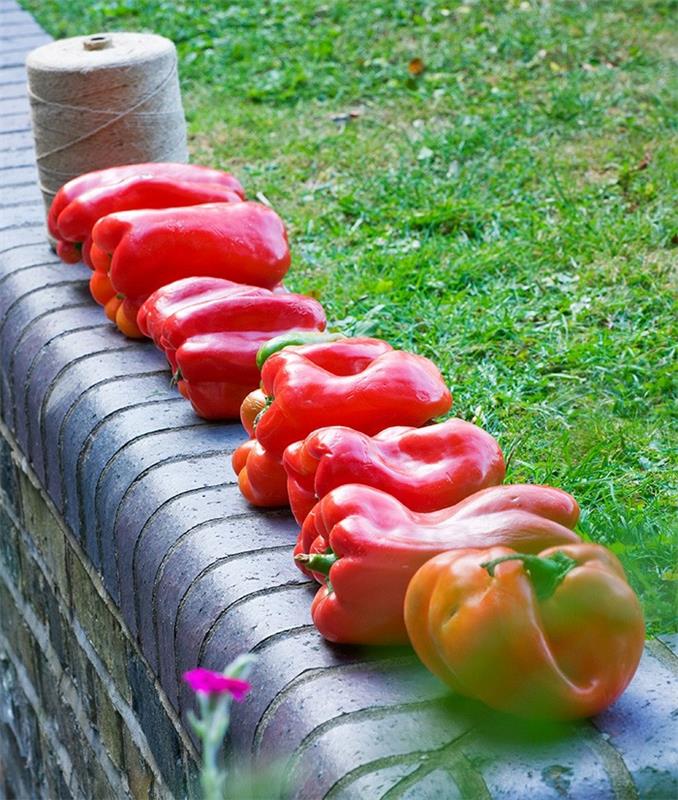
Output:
[[71, 737], [159, 731], [81, 672], [293, 653], [9, 547], [16, 777], [58, 629], [98, 623], [33, 584], [12, 30], [20, 639], [108, 721], [138, 773], [11, 90], [55, 781], [9, 480], [100, 787], [21, 314], [19, 283], [647, 707], [46, 533]]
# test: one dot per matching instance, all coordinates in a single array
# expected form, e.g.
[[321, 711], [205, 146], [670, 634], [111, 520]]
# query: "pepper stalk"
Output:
[[546, 574]]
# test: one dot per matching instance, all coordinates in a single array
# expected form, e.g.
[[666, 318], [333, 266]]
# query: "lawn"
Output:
[[494, 184]]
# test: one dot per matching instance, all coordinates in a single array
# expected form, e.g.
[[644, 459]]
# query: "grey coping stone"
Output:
[[21, 192], [19, 176], [94, 404], [200, 576], [34, 361], [22, 215], [18, 157], [10, 106]]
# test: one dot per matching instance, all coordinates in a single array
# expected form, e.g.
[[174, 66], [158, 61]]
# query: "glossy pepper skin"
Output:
[[362, 383], [330, 384], [74, 224], [243, 242], [214, 344], [251, 407], [425, 468], [112, 175], [175, 296], [371, 545], [558, 636]]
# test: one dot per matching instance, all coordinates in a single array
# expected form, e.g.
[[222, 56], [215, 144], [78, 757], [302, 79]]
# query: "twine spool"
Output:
[[101, 101]]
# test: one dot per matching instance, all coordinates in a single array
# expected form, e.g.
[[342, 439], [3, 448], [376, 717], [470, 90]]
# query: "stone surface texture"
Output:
[[127, 555]]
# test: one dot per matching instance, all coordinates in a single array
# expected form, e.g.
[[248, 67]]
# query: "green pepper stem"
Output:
[[294, 338], [267, 405], [318, 562], [546, 574]]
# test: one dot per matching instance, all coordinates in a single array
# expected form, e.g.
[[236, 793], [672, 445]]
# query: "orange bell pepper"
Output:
[[557, 635]]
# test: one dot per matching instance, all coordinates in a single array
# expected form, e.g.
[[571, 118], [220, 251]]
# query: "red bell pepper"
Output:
[[336, 384], [554, 635], [214, 344], [365, 546], [112, 175], [243, 242], [362, 383], [257, 468], [425, 468], [169, 299], [74, 224], [69, 252]]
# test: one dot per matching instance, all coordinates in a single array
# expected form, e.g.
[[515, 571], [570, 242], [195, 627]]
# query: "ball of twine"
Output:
[[101, 101]]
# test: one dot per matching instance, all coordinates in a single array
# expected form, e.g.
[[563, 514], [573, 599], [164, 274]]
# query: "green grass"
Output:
[[511, 211]]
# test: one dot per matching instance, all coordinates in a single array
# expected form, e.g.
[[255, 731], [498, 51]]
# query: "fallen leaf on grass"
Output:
[[346, 116]]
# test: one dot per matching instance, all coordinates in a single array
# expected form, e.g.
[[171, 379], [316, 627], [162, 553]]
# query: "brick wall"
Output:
[[81, 715]]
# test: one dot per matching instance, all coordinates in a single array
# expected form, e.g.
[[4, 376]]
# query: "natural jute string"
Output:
[[104, 100]]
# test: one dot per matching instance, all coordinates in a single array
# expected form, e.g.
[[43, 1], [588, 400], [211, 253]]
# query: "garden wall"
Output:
[[128, 556]]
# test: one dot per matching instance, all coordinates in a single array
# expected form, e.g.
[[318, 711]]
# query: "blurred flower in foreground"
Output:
[[214, 692], [210, 682]]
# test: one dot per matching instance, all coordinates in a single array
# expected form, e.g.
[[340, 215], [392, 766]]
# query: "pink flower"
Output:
[[210, 682]]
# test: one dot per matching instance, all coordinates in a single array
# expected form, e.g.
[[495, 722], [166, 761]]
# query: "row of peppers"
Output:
[[405, 522]]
